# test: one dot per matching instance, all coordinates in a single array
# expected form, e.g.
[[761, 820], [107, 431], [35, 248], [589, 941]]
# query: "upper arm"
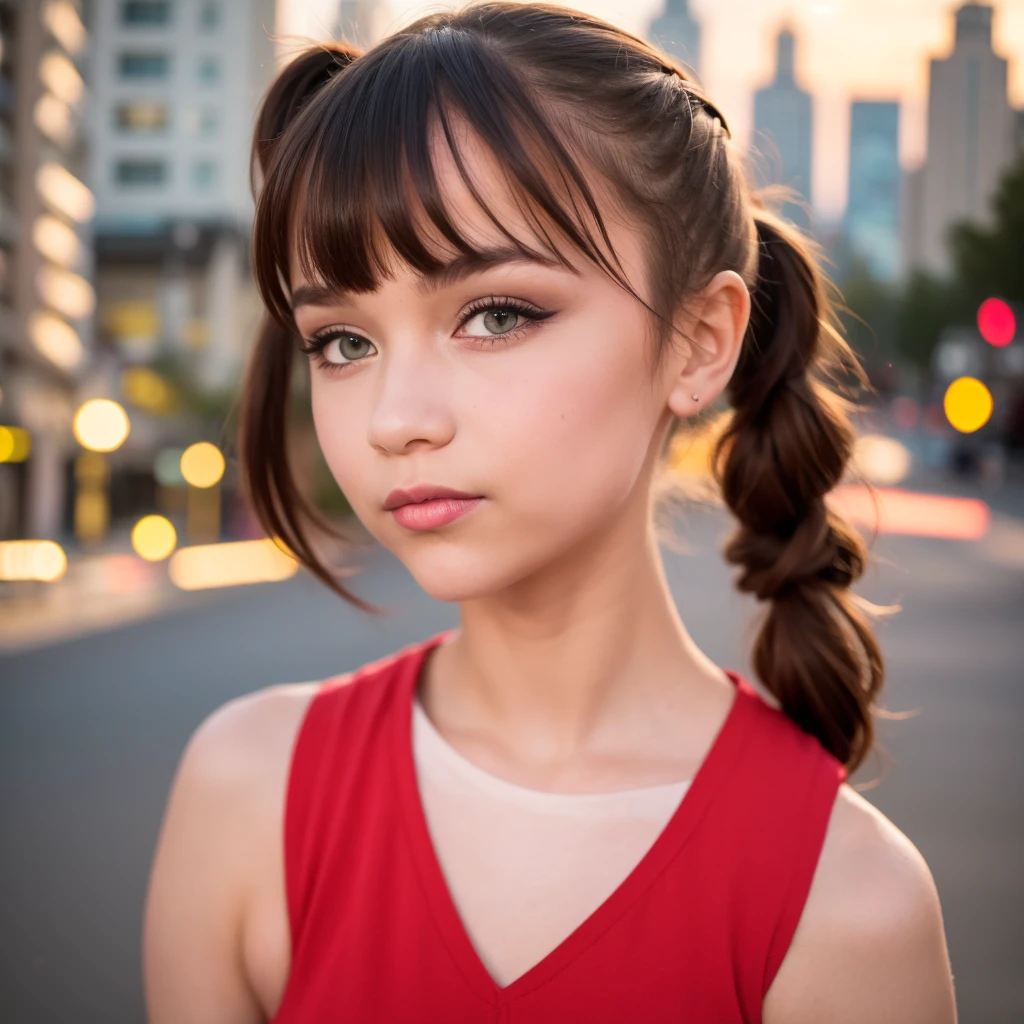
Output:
[[870, 944], [192, 965]]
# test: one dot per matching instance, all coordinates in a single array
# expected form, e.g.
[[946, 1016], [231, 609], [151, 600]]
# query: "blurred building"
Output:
[[176, 87], [46, 295], [677, 32], [872, 211], [359, 21], [971, 141], [783, 130]]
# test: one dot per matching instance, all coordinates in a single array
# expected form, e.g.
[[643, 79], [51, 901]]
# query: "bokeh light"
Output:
[[15, 444], [202, 464], [154, 538], [881, 460], [996, 322], [968, 404], [101, 425], [231, 564], [32, 560]]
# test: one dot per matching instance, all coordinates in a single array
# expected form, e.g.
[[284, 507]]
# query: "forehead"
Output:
[[493, 216]]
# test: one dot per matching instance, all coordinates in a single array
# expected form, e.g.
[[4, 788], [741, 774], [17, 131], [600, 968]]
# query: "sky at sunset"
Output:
[[847, 49]]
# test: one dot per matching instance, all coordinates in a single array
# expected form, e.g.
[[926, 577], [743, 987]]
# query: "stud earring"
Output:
[[695, 398]]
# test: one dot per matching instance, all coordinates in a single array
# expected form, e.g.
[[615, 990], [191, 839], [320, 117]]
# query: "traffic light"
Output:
[[996, 322]]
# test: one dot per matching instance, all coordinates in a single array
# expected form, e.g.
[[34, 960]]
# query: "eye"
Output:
[[502, 318], [337, 348]]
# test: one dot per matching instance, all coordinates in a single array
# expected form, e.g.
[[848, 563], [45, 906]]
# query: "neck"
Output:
[[591, 646]]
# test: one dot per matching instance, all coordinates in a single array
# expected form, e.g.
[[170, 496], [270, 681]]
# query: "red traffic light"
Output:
[[996, 322]]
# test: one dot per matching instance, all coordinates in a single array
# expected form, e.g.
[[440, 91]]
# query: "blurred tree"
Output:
[[989, 258]]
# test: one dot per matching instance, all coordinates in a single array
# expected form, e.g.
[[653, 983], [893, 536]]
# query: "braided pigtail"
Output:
[[263, 442], [786, 446]]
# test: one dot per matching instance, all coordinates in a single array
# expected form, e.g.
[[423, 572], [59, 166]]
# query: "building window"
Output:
[[204, 174], [142, 117], [145, 12], [144, 65], [209, 70], [209, 120], [209, 15], [147, 173]]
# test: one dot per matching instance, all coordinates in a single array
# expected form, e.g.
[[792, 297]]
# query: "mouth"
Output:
[[424, 493], [427, 506]]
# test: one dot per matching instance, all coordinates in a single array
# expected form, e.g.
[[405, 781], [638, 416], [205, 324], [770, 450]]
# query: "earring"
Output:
[[695, 398]]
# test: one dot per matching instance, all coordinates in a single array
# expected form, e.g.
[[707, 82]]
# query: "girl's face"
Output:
[[529, 385]]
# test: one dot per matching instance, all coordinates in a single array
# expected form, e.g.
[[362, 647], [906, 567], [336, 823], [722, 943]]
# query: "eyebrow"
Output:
[[462, 266]]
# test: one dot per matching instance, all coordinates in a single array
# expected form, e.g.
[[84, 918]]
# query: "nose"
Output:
[[411, 410]]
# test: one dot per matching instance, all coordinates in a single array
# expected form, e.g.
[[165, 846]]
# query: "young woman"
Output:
[[517, 247]]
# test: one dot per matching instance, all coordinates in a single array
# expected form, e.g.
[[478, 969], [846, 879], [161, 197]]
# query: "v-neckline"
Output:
[[721, 758]]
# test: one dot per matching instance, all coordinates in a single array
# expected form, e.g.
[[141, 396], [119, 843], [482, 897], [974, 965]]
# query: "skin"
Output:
[[572, 670]]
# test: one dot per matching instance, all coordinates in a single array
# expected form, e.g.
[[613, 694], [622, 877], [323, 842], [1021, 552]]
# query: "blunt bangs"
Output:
[[352, 186]]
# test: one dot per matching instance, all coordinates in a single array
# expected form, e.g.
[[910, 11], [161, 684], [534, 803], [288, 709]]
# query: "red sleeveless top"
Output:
[[695, 933]]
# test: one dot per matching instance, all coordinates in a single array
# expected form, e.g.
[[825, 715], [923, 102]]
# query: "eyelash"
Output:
[[321, 339]]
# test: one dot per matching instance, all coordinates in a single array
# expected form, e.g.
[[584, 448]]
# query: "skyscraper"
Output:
[[358, 22], [46, 293], [176, 88], [677, 32], [970, 140], [872, 211], [783, 128]]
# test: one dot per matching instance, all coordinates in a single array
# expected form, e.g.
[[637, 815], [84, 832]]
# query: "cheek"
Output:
[[575, 424], [341, 434]]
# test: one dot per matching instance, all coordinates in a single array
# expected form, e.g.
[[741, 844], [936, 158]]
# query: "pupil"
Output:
[[501, 316], [346, 343]]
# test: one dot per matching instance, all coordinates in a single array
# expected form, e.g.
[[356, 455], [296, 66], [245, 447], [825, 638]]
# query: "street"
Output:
[[91, 730]]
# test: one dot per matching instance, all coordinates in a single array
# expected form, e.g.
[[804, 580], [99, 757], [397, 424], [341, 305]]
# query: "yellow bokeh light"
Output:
[[968, 404], [101, 425], [57, 340], [202, 464], [154, 538], [69, 293], [15, 444], [64, 192], [32, 560], [881, 459], [56, 241], [61, 18], [231, 564], [61, 77]]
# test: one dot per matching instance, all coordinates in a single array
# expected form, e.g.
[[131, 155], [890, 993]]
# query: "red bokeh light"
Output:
[[996, 322]]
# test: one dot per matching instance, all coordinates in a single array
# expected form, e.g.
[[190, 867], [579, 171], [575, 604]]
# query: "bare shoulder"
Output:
[[870, 944], [217, 847], [249, 735]]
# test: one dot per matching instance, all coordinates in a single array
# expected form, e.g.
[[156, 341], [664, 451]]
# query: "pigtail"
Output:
[[263, 442], [293, 88], [786, 446]]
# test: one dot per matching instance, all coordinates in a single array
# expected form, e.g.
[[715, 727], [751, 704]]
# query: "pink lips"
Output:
[[427, 507]]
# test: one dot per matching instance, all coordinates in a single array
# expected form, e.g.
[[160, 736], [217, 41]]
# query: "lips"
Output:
[[420, 493]]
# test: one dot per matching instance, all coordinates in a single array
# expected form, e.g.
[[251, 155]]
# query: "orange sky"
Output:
[[868, 49]]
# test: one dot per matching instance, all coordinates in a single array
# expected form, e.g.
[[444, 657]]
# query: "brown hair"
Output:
[[342, 141]]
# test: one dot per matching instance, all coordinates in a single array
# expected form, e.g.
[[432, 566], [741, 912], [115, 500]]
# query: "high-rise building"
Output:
[[176, 87], [970, 140], [359, 22], [873, 207], [783, 129], [46, 294], [677, 32]]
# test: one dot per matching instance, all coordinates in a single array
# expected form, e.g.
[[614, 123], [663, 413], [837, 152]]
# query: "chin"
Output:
[[454, 579]]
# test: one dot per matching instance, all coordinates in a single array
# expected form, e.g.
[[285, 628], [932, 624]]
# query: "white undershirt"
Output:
[[525, 868]]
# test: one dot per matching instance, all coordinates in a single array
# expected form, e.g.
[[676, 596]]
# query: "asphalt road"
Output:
[[91, 730]]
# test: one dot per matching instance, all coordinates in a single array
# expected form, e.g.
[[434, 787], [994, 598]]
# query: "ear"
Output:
[[713, 324]]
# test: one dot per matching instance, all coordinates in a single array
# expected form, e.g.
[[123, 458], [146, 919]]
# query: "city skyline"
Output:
[[849, 50]]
